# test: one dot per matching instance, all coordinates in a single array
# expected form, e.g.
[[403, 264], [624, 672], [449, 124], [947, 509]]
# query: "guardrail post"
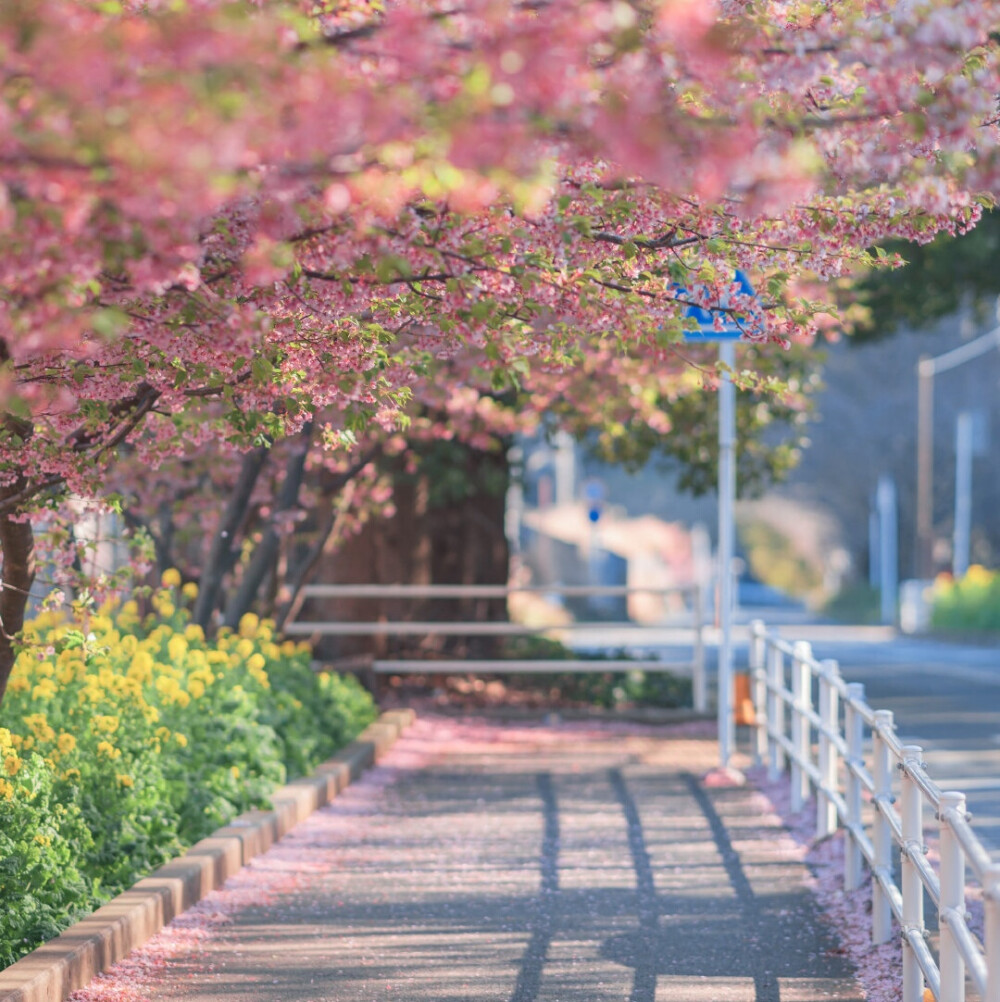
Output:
[[801, 703], [854, 732], [952, 898], [991, 906], [775, 712], [699, 689], [881, 909], [829, 713], [758, 683], [912, 885]]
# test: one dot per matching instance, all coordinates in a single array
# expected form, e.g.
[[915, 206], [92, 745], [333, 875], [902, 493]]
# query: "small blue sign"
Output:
[[707, 330], [594, 492]]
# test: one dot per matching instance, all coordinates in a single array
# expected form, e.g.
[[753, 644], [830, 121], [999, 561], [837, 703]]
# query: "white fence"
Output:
[[809, 719], [402, 627]]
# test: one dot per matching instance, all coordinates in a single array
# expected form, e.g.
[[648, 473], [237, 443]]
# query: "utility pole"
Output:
[[963, 495], [727, 495], [925, 468], [927, 369]]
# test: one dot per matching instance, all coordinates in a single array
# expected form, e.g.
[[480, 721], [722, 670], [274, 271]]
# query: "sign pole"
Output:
[[727, 497]]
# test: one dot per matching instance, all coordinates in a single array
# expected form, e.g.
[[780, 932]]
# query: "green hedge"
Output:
[[124, 739], [972, 603]]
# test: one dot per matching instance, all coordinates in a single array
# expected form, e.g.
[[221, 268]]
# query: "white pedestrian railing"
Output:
[[402, 627], [819, 727]]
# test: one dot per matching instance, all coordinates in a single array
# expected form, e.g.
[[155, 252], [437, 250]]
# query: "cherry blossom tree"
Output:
[[229, 222]]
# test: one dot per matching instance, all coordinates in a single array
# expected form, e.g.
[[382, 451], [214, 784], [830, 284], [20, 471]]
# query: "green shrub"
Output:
[[971, 603], [124, 739]]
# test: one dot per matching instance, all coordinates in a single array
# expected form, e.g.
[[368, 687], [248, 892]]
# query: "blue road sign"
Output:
[[707, 330], [593, 492]]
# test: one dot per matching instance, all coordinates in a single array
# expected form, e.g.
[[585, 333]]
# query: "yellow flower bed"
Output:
[[971, 603], [124, 737]]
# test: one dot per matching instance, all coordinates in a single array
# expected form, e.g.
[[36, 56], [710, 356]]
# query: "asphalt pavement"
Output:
[[562, 863], [945, 696]]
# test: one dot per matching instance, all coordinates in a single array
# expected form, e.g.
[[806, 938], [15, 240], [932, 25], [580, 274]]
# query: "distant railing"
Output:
[[400, 628], [788, 722]]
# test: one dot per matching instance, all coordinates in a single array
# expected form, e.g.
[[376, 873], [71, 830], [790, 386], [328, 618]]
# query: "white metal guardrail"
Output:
[[400, 628], [809, 719]]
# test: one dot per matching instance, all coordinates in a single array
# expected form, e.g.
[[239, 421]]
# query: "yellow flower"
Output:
[[44, 840], [176, 648], [141, 666], [196, 688], [248, 625], [125, 780], [40, 726], [193, 633], [234, 771], [66, 743], [171, 578], [255, 662], [19, 684], [6, 790], [104, 724], [12, 764], [190, 591], [181, 740], [71, 774], [45, 689], [107, 749]]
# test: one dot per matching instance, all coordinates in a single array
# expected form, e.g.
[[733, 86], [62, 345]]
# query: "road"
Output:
[[945, 696], [491, 863]]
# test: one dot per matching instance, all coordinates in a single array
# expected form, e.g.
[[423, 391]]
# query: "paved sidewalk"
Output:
[[515, 864]]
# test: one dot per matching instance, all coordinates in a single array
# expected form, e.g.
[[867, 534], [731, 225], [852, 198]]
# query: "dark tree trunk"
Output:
[[265, 554], [17, 541], [221, 554], [435, 536]]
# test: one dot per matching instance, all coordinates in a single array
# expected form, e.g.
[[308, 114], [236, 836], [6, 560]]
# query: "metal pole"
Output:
[[854, 732], [801, 707], [925, 468], [963, 494], [775, 712], [882, 835], [829, 765], [698, 671], [991, 907], [913, 888], [885, 499], [727, 496], [951, 962], [758, 681]]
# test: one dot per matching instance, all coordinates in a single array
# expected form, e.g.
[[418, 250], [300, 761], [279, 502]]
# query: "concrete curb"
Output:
[[73, 959]]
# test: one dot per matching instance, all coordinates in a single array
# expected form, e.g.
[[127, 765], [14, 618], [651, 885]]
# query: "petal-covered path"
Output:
[[511, 864]]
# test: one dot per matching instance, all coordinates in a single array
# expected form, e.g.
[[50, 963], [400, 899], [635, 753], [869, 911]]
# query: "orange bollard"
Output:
[[742, 702]]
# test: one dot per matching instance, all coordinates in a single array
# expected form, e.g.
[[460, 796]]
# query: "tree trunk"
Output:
[[17, 541], [434, 537], [266, 552], [221, 554]]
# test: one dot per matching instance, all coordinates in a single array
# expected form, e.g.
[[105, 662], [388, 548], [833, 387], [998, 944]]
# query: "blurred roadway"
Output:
[[945, 696]]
